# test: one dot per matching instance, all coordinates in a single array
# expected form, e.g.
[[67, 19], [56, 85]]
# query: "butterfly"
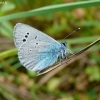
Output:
[[36, 50]]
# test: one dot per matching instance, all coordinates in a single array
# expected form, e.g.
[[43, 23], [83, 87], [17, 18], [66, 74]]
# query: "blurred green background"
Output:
[[80, 79]]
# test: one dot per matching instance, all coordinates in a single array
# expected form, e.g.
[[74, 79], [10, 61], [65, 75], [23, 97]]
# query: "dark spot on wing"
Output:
[[35, 37], [24, 40], [27, 33], [36, 43], [26, 36]]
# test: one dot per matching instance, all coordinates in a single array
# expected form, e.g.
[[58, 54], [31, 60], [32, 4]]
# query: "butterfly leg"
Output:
[[67, 51], [60, 59]]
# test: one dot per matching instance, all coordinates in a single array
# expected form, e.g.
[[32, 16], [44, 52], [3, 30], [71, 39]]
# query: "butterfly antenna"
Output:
[[72, 33]]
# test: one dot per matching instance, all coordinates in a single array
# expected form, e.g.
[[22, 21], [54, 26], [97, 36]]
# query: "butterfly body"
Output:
[[36, 50]]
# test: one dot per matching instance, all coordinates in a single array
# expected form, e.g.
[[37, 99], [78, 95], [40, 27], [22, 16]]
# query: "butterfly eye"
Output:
[[64, 44]]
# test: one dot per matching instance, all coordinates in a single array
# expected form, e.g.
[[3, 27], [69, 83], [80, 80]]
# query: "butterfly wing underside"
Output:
[[36, 50], [24, 33]]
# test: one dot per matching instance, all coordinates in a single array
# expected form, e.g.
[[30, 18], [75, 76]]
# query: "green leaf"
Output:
[[93, 73], [53, 84]]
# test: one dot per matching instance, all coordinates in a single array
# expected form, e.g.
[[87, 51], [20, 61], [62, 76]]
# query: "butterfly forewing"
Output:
[[37, 56], [24, 33]]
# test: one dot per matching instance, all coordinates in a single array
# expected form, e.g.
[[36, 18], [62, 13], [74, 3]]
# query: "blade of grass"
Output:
[[8, 53], [51, 9], [6, 29]]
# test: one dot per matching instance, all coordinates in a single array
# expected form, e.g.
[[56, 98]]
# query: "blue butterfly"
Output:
[[36, 50]]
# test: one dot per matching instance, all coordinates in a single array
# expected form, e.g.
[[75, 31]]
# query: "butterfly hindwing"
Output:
[[37, 57]]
